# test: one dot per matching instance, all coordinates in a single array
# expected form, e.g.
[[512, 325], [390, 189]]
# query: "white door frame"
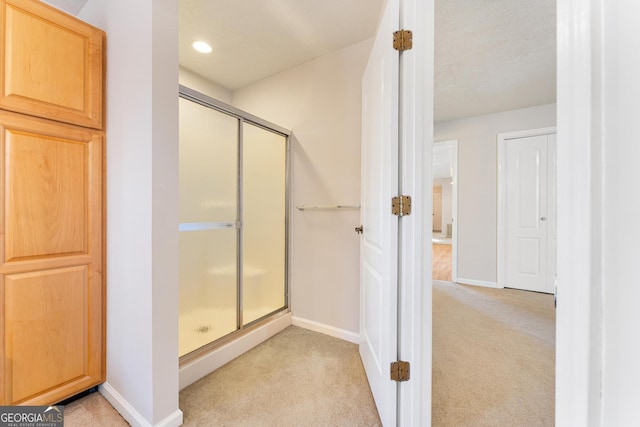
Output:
[[413, 403], [578, 322], [502, 141], [453, 143], [414, 334], [578, 316], [578, 336]]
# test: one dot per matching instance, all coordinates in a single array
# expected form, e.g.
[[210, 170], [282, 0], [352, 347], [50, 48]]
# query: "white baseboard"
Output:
[[208, 363], [327, 330], [130, 414], [478, 283]]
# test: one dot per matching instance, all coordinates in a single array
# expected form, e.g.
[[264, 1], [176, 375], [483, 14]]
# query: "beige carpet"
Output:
[[493, 365], [92, 411], [296, 378], [493, 357]]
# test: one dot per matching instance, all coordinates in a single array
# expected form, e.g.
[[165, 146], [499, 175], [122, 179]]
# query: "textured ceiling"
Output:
[[493, 55], [253, 39]]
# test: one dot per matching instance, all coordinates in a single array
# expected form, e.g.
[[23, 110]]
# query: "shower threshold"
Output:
[[200, 363], [225, 340]]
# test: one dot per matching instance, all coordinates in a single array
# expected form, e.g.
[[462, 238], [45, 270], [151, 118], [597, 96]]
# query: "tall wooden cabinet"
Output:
[[52, 325]]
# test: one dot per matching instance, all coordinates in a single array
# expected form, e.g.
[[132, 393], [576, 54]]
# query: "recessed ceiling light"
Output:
[[202, 47]]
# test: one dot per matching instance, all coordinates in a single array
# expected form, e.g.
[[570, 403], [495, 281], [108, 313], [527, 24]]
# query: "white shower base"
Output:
[[201, 326], [209, 362]]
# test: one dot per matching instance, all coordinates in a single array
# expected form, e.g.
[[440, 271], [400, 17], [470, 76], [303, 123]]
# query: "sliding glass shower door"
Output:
[[233, 204], [264, 232]]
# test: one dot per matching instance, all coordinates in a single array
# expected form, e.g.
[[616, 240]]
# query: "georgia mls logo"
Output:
[[56, 411], [31, 416]]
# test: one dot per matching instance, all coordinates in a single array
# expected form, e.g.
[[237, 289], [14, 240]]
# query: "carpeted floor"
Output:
[[92, 411], [493, 365], [296, 378], [493, 357]]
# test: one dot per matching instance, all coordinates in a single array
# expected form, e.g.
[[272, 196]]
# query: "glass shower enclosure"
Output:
[[233, 220]]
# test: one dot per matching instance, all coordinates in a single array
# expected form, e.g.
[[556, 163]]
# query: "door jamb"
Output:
[[502, 140], [454, 206], [415, 297], [579, 337]]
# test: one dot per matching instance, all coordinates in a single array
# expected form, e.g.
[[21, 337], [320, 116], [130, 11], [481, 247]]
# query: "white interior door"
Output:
[[528, 213], [379, 242], [437, 210], [552, 208]]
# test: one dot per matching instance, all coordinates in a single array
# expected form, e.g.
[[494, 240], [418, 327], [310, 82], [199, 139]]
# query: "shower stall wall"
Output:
[[233, 220]]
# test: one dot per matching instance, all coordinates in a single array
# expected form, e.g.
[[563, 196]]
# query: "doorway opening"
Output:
[[445, 211]]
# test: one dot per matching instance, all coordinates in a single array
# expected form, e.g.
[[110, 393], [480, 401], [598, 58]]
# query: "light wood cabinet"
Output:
[[52, 322], [51, 64]]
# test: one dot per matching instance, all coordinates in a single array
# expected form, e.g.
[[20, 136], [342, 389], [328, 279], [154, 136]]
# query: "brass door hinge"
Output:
[[401, 205], [402, 40], [400, 371]]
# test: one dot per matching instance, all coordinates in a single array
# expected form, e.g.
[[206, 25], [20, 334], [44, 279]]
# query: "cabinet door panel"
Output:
[[45, 196], [45, 321], [51, 64], [51, 287]]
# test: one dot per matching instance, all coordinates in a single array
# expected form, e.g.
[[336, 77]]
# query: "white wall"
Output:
[[477, 182], [620, 225], [321, 102], [196, 82], [142, 207]]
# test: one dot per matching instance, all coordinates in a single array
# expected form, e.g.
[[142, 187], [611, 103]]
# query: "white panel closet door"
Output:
[[528, 214], [379, 242]]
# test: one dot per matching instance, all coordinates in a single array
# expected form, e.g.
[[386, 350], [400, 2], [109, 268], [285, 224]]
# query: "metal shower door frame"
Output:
[[243, 117]]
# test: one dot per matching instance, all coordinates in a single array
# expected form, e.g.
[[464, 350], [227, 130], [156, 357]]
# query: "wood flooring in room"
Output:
[[441, 262]]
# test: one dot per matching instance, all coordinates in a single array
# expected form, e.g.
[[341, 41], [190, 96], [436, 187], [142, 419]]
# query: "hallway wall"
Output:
[[142, 207], [477, 183]]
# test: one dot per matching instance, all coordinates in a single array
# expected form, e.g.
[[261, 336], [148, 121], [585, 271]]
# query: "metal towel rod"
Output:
[[327, 207]]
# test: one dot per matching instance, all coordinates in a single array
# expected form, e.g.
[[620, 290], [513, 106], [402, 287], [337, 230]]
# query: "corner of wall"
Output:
[[201, 84], [131, 415], [332, 331]]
